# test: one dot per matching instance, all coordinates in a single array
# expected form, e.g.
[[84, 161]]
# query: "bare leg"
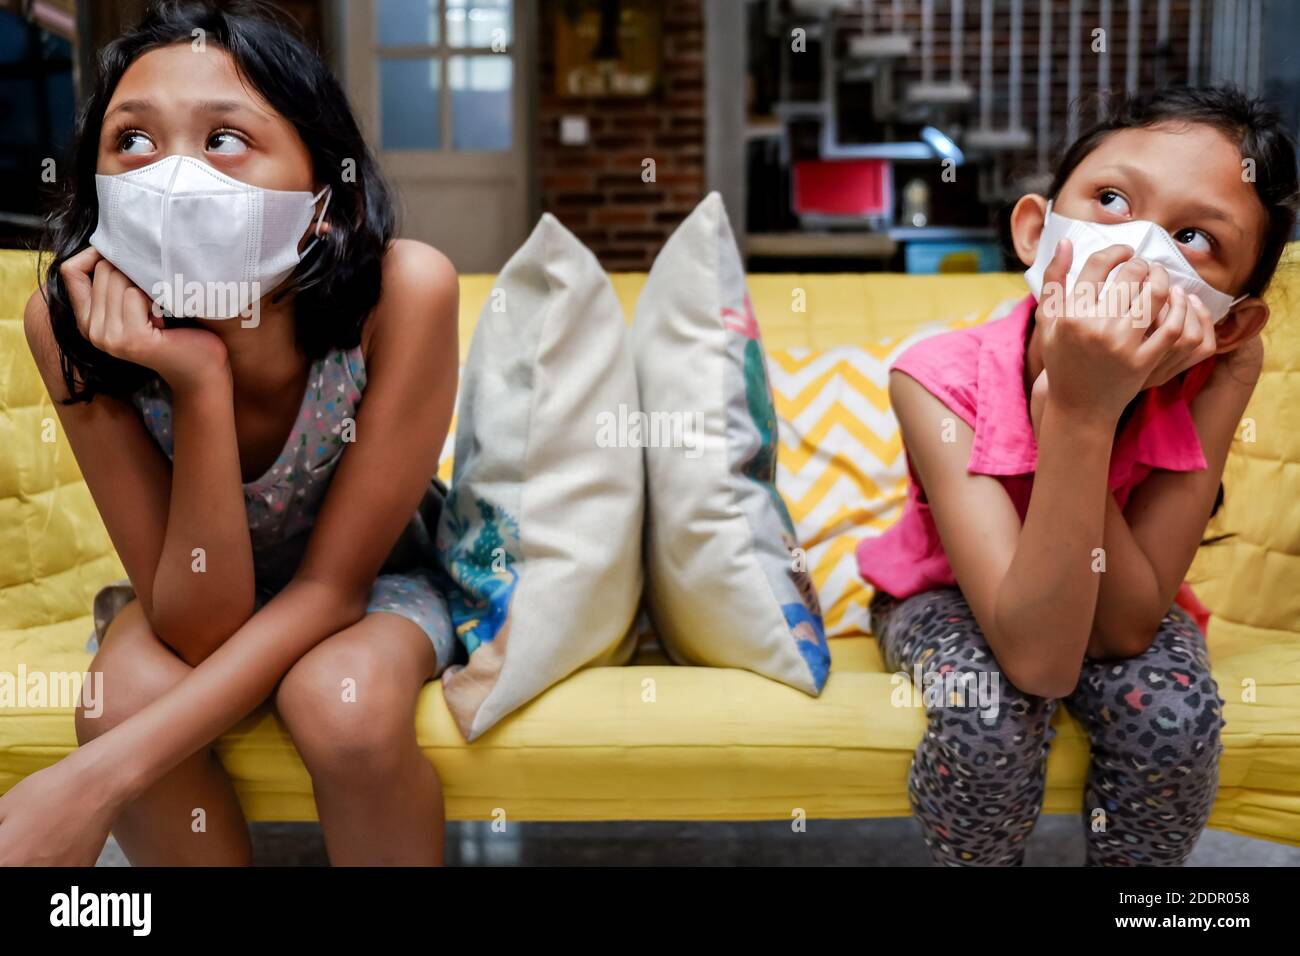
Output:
[[349, 704], [164, 826]]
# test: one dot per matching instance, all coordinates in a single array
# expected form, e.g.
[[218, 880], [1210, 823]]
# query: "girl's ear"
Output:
[[1245, 320], [1027, 218]]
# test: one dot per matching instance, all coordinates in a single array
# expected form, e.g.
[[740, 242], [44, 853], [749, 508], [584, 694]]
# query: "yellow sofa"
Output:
[[712, 744]]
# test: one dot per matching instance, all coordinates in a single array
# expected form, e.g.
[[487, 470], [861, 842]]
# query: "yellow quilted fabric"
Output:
[[54, 551], [707, 743]]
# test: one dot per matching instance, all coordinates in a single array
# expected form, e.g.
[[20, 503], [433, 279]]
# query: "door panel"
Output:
[[440, 86]]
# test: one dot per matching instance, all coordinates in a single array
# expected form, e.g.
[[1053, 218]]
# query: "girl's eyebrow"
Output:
[[1128, 170], [1201, 211], [131, 106], [205, 106], [222, 106]]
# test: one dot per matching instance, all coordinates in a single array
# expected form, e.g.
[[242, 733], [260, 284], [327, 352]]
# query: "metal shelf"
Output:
[[940, 233], [821, 245]]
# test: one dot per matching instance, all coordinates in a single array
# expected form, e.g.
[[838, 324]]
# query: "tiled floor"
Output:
[[1057, 841]]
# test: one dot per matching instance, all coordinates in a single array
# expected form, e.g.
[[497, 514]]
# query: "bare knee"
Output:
[[348, 712], [132, 669]]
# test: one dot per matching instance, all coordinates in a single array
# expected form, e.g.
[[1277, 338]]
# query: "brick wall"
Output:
[[596, 190]]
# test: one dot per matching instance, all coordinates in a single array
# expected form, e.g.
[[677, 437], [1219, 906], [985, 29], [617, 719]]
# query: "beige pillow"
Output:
[[727, 584], [542, 529]]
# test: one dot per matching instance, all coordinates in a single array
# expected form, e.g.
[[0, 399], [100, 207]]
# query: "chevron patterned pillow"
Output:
[[840, 465]]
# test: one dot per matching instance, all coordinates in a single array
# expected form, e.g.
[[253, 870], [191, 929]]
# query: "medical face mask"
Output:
[[199, 243], [1149, 241]]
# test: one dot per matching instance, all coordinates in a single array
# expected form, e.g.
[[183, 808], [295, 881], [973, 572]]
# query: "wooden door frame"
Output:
[[352, 23]]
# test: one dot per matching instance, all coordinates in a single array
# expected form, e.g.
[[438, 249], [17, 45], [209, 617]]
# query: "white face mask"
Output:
[[1149, 241], [199, 243]]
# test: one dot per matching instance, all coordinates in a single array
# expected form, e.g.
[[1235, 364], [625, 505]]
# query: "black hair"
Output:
[[1254, 125], [338, 285]]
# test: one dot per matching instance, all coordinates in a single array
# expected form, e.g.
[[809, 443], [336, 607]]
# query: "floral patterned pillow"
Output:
[[541, 531], [727, 584]]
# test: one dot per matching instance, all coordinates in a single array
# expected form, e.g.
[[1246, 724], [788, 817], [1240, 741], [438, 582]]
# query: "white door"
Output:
[[441, 87]]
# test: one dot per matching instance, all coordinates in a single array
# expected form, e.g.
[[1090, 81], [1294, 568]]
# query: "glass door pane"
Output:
[[408, 23], [480, 23], [482, 101], [411, 115]]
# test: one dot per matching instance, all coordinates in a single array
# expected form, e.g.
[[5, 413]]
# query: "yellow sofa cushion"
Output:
[[682, 742]]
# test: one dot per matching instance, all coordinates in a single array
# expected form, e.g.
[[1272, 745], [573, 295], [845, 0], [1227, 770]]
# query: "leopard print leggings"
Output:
[[977, 778]]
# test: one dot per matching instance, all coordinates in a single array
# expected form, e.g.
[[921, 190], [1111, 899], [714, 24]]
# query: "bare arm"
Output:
[[1031, 588], [157, 512], [1152, 543], [379, 482], [194, 612]]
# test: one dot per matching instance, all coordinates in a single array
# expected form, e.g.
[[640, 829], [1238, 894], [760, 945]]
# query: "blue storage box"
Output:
[[929, 258]]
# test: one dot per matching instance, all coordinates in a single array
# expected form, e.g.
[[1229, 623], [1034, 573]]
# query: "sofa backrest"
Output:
[[54, 552]]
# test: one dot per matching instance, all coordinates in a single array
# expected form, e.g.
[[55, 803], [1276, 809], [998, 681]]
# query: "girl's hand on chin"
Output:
[[55, 817], [116, 317], [1094, 344]]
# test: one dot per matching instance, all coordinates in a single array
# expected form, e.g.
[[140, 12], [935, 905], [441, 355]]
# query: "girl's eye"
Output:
[[226, 143], [1193, 239], [134, 143], [1113, 202]]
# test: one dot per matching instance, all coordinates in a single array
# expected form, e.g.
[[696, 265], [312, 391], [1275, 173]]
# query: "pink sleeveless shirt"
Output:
[[978, 373]]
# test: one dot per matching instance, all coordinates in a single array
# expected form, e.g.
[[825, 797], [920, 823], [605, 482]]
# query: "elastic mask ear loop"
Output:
[[328, 193]]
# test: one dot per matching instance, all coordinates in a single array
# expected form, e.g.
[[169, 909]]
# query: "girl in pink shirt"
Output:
[[1064, 461]]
